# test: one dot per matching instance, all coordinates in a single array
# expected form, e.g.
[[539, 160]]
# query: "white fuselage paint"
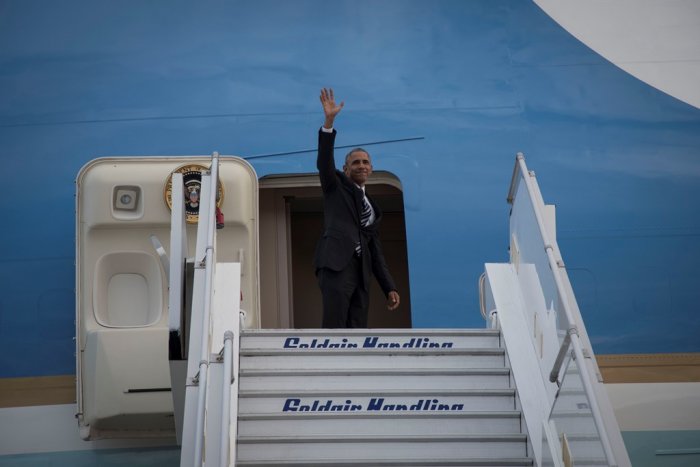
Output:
[[656, 41], [53, 428]]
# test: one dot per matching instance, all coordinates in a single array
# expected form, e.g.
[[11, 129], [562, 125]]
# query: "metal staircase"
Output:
[[377, 397], [525, 392]]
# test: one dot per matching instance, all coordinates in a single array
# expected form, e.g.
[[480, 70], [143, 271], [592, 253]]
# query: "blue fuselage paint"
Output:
[[464, 85]]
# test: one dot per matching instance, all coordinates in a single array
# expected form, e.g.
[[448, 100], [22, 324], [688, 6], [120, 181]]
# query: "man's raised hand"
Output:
[[330, 108]]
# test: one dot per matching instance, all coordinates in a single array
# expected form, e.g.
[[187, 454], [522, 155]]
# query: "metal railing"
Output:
[[205, 345], [226, 398], [572, 338], [208, 408], [229, 358]]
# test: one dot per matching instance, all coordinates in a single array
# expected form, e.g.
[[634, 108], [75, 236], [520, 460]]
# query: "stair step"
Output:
[[376, 400], [572, 400], [474, 462], [400, 397], [375, 358], [575, 421], [579, 462], [358, 447], [366, 338], [585, 446], [372, 379], [377, 424]]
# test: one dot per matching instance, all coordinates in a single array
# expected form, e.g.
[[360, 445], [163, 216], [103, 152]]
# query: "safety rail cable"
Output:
[[572, 332], [209, 272]]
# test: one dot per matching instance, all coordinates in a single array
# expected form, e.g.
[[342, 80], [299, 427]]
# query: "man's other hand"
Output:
[[393, 300]]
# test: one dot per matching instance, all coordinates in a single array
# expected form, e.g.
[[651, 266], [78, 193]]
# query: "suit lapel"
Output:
[[355, 197]]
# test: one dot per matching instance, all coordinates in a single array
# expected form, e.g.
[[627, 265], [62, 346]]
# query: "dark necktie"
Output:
[[364, 220], [366, 212]]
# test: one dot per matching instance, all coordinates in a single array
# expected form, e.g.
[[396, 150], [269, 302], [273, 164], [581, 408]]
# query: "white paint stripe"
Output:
[[656, 406]]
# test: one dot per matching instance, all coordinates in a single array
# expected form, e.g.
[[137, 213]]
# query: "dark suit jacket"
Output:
[[342, 205]]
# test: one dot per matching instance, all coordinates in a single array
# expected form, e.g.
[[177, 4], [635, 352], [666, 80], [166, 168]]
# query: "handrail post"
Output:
[[556, 368]]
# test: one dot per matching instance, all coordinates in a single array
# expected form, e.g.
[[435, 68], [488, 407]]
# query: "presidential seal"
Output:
[[192, 179]]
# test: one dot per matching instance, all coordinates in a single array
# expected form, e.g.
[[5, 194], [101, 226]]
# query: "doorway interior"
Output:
[[291, 222]]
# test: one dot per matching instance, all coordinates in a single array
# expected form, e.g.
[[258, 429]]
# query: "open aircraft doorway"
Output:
[[291, 222]]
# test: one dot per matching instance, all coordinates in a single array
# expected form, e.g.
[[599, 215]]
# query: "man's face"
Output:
[[358, 167]]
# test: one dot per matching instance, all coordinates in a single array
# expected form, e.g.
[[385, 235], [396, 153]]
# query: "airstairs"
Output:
[[379, 397], [524, 391]]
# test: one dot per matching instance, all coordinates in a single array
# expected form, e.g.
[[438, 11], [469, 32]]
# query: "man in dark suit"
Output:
[[349, 250]]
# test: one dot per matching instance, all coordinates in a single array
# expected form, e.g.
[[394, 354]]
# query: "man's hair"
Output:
[[352, 151]]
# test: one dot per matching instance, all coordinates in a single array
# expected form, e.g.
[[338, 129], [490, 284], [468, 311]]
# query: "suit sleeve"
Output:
[[325, 161], [379, 267]]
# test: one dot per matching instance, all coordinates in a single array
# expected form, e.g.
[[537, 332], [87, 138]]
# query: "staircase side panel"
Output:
[[523, 356]]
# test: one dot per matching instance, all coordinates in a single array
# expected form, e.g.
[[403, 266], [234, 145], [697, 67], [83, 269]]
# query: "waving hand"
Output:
[[330, 108]]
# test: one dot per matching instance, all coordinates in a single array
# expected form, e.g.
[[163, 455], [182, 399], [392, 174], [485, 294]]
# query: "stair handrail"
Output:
[[209, 272], [572, 332], [226, 396]]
